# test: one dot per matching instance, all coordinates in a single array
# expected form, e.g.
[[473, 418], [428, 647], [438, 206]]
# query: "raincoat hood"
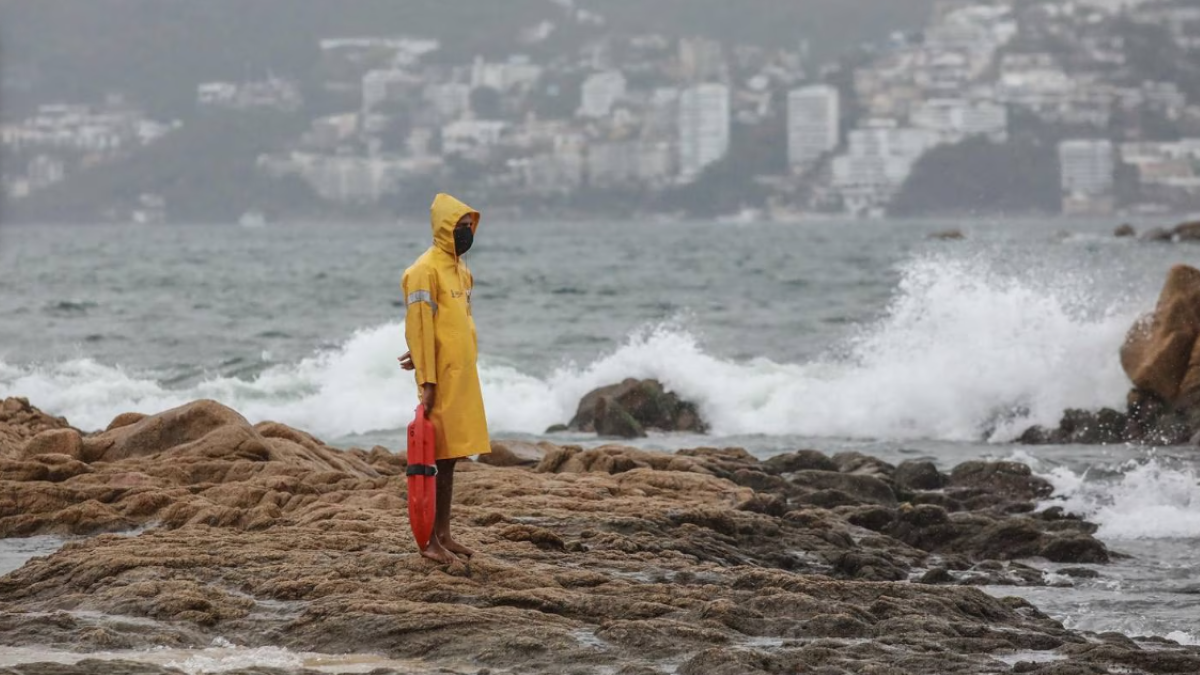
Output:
[[444, 215]]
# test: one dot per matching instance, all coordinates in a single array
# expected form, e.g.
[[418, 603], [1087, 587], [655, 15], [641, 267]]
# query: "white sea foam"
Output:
[[961, 353], [1148, 500]]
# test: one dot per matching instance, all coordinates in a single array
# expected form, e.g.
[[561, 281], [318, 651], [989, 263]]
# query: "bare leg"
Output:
[[445, 495]]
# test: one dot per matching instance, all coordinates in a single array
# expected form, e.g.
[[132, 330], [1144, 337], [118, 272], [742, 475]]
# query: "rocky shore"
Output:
[[1161, 356], [603, 560]]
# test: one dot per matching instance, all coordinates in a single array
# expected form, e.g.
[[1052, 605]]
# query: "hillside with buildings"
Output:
[[1001, 107]]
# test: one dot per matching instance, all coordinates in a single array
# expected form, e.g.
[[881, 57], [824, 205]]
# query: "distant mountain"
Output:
[[157, 50]]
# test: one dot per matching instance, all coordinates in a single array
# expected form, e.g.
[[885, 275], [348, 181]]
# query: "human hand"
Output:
[[406, 361]]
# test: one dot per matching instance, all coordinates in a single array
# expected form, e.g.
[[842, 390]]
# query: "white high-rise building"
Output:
[[600, 92], [813, 124], [703, 128], [1086, 167]]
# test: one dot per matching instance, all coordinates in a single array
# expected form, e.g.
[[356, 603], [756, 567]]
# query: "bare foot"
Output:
[[456, 547], [438, 553]]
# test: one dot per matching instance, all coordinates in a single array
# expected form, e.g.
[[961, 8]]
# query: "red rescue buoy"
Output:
[[422, 478]]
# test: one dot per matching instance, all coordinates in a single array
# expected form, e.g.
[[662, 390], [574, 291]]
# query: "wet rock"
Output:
[[874, 518], [1156, 234], [913, 475], [610, 418], [800, 460], [936, 575], [860, 488], [948, 235], [1189, 231], [1079, 572], [1007, 479], [1161, 356], [1125, 230], [1157, 353], [516, 453], [626, 409], [1075, 550], [860, 464]]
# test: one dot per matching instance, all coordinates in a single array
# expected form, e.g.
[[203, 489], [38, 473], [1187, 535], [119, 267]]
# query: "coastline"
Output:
[[609, 559]]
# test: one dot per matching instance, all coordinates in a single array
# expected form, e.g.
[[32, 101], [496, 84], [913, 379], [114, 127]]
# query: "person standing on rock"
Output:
[[443, 349]]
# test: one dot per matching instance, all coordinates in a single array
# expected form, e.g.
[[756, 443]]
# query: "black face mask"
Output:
[[463, 238]]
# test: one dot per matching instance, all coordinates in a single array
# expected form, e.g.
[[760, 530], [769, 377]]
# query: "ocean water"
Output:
[[833, 335]]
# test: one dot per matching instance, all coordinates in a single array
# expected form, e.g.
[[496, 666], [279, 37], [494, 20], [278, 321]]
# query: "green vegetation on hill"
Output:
[[976, 175]]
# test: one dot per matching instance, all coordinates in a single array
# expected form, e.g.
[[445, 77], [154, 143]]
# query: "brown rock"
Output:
[[20, 422], [1189, 231], [1158, 351], [175, 427], [124, 420], [1125, 230], [610, 559], [801, 460], [610, 418], [1005, 479], [516, 453], [626, 409], [862, 488], [914, 475], [56, 442]]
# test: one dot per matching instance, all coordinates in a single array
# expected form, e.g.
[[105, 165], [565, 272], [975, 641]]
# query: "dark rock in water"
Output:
[[948, 235], [1125, 230], [1157, 353], [801, 460], [1007, 479], [912, 475], [858, 463], [1075, 550], [1079, 572], [557, 429], [937, 499], [1156, 234], [874, 518], [936, 575], [629, 408], [611, 419], [1161, 356], [860, 488], [1104, 427], [1189, 231]]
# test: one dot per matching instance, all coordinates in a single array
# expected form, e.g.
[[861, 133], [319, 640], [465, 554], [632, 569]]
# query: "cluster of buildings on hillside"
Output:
[[646, 114], [57, 140]]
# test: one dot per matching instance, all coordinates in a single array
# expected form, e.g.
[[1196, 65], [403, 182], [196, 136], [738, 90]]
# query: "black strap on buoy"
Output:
[[421, 470]]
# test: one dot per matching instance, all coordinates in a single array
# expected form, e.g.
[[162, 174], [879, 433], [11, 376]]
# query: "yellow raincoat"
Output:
[[441, 335]]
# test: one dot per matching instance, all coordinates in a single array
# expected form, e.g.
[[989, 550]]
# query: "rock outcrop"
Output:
[[608, 559], [628, 409], [1161, 356]]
